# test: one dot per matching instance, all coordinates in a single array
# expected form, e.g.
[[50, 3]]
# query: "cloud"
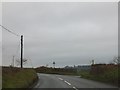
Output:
[[68, 33]]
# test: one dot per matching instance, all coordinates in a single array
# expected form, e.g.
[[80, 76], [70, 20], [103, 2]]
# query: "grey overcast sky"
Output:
[[67, 33]]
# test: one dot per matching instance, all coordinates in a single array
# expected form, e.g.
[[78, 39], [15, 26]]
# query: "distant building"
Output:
[[83, 67], [79, 67]]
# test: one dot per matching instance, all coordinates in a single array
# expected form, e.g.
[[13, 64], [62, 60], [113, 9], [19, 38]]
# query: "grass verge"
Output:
[[18, 78], [111, 76]]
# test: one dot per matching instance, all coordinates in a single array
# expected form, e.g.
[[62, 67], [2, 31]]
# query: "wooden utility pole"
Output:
[[21, 51], [93, 62], [13, 60]]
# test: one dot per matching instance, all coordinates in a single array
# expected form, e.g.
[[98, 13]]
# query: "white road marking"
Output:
[[60, 78], [67, 82], [75, 88]]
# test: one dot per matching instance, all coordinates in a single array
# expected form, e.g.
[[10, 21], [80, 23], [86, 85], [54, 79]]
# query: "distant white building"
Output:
[[79, 67], [83, 67]]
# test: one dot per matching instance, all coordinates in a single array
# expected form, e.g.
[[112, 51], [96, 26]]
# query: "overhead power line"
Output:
[[9, 30]]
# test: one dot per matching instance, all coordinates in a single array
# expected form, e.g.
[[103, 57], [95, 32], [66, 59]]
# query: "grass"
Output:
[[0, 77], [18, 78], [111, 76]]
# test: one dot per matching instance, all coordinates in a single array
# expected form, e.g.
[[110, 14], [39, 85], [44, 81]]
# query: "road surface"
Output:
[[63, 81]]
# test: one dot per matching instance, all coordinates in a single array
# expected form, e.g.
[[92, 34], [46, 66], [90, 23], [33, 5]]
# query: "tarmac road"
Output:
[[63, 81]]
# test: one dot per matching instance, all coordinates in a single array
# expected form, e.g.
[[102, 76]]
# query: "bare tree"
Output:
[[18, 61], [116, 60]]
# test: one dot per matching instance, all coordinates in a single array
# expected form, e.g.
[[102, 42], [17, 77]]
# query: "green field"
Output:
[[18, 78]]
